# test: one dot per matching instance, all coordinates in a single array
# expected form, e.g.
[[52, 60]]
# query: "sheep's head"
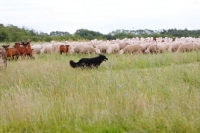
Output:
[[97, 51], [147, 51], [121, 52]]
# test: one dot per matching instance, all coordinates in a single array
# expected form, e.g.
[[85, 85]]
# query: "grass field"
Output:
[[128, 93]]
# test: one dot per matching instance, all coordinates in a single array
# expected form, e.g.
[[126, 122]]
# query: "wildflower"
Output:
[[120, 85]]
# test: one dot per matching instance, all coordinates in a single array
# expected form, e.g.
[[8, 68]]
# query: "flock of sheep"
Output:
[[132, 46]]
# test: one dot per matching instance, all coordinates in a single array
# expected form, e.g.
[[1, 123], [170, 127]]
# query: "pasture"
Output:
[[127, 93]]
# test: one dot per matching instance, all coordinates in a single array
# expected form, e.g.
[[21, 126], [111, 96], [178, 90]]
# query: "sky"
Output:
[[103, 16]]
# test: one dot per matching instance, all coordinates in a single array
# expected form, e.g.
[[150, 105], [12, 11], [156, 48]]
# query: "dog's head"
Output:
[[103, 57]]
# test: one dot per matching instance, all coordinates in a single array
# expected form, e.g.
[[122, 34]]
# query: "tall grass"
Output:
[[128, 93]]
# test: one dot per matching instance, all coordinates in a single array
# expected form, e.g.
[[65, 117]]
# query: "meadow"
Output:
[[128, 93]]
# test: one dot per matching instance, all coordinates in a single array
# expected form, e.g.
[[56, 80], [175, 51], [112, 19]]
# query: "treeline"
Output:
[[11, 33]]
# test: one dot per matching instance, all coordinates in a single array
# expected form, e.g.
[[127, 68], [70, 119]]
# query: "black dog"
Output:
[[88, 62]]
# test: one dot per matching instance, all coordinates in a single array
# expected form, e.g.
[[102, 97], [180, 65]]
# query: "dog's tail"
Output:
[[73, 64]]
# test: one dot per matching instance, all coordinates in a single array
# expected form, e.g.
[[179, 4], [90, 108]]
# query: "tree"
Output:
[[13, 33], [108, 37], [4, 36], [59, 33], [84, 33]]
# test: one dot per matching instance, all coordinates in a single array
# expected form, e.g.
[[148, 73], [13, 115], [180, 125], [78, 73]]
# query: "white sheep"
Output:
[[46, 48], [76, 48], [186, 47], [56, 46], [113, 48], [123, 45], [174, 46], [88, 49], [144, 46], [133, 48], [160, 47], [151, 48], [102, 47], [36, 48], [183, 48]]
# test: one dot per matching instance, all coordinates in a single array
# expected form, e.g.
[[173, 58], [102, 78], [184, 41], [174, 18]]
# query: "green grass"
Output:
[[128, 93]]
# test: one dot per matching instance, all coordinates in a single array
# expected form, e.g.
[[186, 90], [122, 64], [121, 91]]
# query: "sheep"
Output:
[[123, 45], [71, 46], [186, 47], [75, 48], [167, 45], [132, 48], [47, 48], [113, 48], [70, 49], [85, 48], [56, 46], [144, 46], [174, 46], [102, 47], [36, 48], [88, 49], [196, 46], [160, 47], [151, 48]]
